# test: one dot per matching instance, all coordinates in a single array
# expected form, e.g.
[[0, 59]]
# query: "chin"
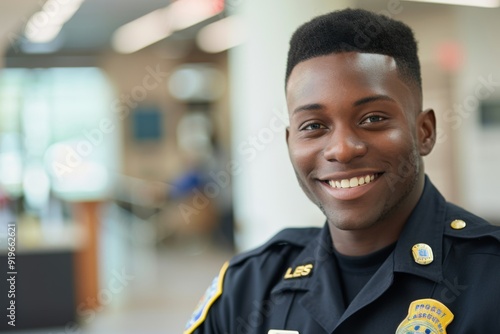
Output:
[[352, 224], [348, 221]]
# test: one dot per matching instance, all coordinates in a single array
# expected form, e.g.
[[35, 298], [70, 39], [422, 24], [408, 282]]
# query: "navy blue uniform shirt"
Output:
[[292, 282]]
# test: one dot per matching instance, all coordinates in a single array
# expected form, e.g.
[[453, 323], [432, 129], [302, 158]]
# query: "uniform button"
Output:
[[458, 224]]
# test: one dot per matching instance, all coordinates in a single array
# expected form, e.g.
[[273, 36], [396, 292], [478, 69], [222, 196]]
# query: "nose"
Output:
[[344, 145]]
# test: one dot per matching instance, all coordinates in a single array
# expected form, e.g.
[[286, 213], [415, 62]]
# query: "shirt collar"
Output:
[[319, 252], [425, 225]]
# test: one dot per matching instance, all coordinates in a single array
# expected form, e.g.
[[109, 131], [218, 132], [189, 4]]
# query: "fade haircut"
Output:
[[357, 30]]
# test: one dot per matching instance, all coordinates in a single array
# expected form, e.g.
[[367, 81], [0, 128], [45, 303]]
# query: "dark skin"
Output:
[[356, 140]]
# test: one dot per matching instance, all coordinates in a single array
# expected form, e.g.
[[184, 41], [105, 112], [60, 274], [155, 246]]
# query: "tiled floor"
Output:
[[156, 301]]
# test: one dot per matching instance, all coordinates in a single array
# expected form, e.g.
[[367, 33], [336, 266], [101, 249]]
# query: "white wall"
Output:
[[267, 195], [479, 161]]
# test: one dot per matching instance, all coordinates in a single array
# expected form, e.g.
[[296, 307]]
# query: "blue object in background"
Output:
[[185, 183], [147, 124]]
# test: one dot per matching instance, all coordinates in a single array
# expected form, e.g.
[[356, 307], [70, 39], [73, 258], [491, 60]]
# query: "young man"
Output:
[[394, 256]]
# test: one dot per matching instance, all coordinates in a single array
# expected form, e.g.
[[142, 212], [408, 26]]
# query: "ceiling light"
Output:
[[45, 35], [221, 35], [144, 31], [161, 23], [474, 3], [45, 25], [187, 13]]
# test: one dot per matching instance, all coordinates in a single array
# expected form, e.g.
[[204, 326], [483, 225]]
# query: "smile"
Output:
[[352, 182]]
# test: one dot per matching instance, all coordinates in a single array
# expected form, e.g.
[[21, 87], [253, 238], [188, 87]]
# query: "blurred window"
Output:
[[40, 108]]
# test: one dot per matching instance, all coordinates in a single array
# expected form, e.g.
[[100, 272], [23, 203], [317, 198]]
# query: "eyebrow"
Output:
[[373, 98], [364, 100], [308, 107]]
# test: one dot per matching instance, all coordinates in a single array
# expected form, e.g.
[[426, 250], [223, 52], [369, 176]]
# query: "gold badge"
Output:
[[426, 316], [422, 254]]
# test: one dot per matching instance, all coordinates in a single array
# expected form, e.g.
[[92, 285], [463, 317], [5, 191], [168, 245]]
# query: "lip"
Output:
[[349, 194]]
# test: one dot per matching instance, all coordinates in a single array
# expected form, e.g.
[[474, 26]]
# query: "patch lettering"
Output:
[[299, 271], [426, 316]]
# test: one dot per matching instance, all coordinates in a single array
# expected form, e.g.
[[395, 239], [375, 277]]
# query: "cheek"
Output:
[[400, 149], [398, 141], [303, 157]]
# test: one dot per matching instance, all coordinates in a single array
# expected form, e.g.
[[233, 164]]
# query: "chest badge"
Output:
[[299, 271], [426, 316], [422, 254]]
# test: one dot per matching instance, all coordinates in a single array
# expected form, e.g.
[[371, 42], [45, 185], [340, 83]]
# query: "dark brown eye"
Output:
[[313, 126], [373, 119]]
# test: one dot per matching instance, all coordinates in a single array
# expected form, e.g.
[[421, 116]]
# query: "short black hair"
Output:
[[356, 30]]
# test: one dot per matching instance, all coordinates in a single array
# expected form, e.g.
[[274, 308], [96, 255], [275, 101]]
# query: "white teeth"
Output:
[[353, 182]]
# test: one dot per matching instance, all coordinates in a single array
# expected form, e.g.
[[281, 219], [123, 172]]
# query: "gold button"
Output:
[[458, 224], [422, 254]]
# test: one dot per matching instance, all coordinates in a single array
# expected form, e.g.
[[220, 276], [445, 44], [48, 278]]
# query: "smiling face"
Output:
[[356, 137]]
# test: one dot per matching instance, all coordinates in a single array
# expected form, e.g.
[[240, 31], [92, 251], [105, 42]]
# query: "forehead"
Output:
[[346, 75]]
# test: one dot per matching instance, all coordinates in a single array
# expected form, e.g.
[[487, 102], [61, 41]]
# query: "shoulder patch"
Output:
[[213, 292]]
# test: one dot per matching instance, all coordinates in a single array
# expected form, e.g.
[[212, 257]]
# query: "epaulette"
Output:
[[298, 237], [463, 224]]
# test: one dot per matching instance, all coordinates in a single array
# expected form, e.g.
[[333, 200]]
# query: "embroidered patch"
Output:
[[426, 316], [213, 292]]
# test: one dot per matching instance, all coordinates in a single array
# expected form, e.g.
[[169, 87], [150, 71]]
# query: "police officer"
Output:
[[394, 256]]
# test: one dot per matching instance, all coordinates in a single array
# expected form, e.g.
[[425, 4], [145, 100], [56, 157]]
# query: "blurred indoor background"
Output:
[[142, 144]]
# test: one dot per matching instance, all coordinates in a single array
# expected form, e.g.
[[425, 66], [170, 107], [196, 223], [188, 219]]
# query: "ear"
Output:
[[287, 134], [426, 131]]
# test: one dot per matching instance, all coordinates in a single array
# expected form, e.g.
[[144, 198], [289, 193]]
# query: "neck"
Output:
[[363, 242]]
